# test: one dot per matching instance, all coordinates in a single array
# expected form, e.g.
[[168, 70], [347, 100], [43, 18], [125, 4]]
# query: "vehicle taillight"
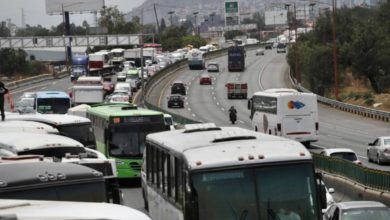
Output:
[[244, 86], [317, 126], [279, 127]]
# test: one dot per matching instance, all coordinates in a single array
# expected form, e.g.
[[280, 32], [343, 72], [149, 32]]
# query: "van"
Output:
[[281, 48]]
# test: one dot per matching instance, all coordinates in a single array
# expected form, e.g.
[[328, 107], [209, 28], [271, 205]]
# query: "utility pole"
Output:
[[297, 71], [155, 14], [142, 55], [335, 69]]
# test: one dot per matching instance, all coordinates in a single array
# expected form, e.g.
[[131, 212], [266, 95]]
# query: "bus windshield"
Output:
[[129, 141], [82, 133], [53, 105], [257, 193]]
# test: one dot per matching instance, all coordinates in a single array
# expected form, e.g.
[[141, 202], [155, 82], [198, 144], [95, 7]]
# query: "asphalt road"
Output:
[[209, 103]]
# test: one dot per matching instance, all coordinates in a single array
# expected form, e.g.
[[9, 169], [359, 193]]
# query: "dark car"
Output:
[[178, 88], [268, 46], [175, 101]]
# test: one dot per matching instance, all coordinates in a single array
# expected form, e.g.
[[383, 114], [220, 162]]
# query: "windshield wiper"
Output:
[[243, 214]]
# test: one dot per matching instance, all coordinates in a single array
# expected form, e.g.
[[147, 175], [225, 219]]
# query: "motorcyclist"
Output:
[[233, 114]]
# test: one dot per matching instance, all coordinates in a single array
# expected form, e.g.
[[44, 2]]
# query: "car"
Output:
[[281, 48], [178, 87], [357, 210], [119, 97], [379, 150], [213, 67], [329, 198], [268, 46], [175, 100], [25, 106], [260, 51], [123, 87], [342, 153], [205, 79]]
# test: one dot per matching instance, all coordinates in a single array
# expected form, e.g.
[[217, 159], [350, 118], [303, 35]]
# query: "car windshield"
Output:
[[175, 98], [256, 193], [345, 155], [366, 213]]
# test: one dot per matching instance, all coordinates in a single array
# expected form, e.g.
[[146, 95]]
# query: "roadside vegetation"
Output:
[[363, 54]]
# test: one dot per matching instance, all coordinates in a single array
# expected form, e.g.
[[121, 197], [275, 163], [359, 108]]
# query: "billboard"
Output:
[[73, 6], [232, 16], [276, 17]]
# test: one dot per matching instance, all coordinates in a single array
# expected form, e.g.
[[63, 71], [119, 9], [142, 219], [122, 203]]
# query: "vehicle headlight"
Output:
[[119, 162]]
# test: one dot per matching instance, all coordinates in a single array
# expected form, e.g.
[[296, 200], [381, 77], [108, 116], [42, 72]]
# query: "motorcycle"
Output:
[[233, 117]]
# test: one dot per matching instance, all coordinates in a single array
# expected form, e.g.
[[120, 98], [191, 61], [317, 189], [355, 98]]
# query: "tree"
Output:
[[195, 41], [113, 20], [171, 39], [4, 31]]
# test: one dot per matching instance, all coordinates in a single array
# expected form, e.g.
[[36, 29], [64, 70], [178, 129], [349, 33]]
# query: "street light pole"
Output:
[[170, 13], [335, 69]]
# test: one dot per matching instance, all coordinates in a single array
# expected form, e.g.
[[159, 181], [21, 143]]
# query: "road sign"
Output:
[[232, 16]]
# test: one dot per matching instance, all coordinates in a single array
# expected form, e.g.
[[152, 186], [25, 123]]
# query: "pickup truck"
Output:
[[237, 90]]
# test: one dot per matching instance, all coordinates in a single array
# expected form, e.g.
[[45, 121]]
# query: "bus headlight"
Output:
[[120, 163]]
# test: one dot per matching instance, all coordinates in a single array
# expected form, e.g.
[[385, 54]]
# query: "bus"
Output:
[[209, 172], [33, 209], [196, 60], [72, 126], [236, 58], [52, 102], [120, 130], [287, 113]]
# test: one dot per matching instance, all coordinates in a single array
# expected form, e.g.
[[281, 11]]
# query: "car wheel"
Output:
[[368, 156], [378, 160]]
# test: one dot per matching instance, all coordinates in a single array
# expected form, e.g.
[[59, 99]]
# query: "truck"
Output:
[[236, 58], [196, 60], [237, 90], [79, 66], [118, 56], [100, 64], [87, 90], [133, 55], [149, 54]]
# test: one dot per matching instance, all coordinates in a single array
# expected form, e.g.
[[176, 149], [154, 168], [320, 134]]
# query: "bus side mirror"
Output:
[[321, 190]]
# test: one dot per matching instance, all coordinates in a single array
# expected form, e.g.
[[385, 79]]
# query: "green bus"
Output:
[[120, 130]]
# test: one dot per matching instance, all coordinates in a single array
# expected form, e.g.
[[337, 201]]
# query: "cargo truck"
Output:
[[237, 90], [87, 90], [236, 58]]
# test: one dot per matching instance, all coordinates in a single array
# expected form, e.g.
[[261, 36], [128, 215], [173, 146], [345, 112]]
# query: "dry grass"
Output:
[[360, 87]]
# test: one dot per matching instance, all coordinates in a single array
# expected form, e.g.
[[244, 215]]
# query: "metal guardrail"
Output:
[[35, 79], [375, 179], [355, 109]]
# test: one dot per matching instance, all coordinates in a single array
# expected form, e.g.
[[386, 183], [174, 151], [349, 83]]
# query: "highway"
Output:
[[210, 104]]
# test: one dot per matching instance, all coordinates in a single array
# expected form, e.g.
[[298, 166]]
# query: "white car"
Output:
[[260, 51], [342, 153], [123, 87], [379, 150]]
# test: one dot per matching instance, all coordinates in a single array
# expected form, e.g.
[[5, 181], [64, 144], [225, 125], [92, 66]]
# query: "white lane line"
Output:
[[215, 98], [212, 93], [193, 115], [363, 157], [54, 83], [217, 103], [334, 136], [242, 122], [223, 109], [44, 87]]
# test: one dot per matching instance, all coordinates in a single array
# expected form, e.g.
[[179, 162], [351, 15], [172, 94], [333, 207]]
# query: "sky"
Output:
[[35, 12]]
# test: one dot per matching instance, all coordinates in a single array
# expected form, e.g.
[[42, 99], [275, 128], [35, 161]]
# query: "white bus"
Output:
[[208, 172], [60, 210], [75, 127], [27, 126], [285, 112]]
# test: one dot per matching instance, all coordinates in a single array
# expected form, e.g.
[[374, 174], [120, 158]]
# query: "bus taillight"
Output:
[[279, 127]]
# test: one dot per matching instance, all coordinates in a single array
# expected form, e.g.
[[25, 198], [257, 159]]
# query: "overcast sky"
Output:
[[35, 12]]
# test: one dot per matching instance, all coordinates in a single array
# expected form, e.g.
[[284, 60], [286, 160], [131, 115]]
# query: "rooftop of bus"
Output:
[[51, 119], [229, 146], [120, 110], [281, 92], [31, 141], [51, 94]]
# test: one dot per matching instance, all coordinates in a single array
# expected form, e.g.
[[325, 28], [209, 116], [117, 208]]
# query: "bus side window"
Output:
[[173, 177]]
